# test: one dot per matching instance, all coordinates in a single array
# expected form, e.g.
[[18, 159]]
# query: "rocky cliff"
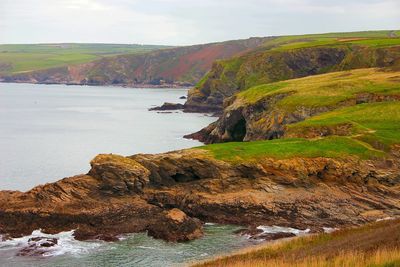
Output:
[[282, 59]]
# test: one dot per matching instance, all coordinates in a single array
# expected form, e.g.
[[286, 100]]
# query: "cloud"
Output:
[[185, 21]]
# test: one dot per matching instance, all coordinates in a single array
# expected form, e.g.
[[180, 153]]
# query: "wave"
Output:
[[280, 229], [66, 244]]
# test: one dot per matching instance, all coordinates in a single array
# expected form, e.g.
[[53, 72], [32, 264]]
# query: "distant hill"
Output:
[[20, 58], [95, 65]]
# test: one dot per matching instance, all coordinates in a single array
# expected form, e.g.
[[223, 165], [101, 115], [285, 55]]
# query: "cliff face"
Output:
[[264, 112], [266, 65], [176, 66], [168, 194]]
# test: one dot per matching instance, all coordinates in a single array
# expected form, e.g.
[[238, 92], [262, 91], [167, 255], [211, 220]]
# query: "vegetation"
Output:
[[288, 57], [16, 58], [374, 244], [311, 40]]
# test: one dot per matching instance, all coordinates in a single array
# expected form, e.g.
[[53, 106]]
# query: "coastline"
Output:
[[144, 86]]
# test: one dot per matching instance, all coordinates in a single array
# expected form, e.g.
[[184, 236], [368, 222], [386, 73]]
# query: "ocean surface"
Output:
[[48, 132]]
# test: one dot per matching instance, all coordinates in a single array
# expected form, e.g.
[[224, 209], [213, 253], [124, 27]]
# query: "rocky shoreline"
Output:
[[171, 195]]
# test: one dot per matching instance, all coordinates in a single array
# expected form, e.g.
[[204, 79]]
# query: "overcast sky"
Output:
[[181, 22]]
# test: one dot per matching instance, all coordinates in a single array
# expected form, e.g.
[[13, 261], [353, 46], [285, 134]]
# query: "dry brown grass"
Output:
[[381, 257], [376, 244]]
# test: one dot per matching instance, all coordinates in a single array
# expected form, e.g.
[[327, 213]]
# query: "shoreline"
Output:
[[141, 86]]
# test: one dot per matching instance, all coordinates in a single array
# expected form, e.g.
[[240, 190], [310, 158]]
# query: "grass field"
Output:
[[374, 244], [25, 57]]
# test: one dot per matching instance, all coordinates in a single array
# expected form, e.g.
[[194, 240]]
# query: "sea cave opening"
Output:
[[239, 130]]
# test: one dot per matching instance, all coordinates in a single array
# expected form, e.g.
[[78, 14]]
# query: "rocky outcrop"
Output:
[[265, 66], [169, 195], [168, 106]]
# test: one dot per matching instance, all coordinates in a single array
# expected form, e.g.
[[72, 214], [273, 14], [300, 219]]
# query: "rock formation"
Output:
[[170, 194]]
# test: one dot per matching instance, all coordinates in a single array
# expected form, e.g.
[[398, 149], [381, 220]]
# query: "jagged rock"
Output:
[[37, 246]]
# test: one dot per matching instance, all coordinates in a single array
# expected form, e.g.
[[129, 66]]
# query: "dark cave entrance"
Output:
[[239, 130]]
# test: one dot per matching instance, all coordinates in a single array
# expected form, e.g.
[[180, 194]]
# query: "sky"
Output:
[[184, 22]]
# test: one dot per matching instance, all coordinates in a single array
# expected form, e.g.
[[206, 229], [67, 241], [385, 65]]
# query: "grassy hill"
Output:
[[17, 58], [289, 57]]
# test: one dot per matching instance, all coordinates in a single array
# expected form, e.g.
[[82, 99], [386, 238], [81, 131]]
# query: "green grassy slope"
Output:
[[375, 123], [326, 89], [16, 58]]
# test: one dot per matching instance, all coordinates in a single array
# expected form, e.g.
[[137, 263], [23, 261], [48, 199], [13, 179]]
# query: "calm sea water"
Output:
[[48, 132]]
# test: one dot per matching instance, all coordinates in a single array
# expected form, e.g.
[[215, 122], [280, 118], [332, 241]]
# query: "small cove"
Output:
[[48, 132]]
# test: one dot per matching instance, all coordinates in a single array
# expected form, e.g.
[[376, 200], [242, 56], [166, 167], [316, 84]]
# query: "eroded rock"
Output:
[[118, 174], [174, 225]]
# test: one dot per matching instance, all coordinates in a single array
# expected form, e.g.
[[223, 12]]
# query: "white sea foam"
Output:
[[280, 229], [66, 244]]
